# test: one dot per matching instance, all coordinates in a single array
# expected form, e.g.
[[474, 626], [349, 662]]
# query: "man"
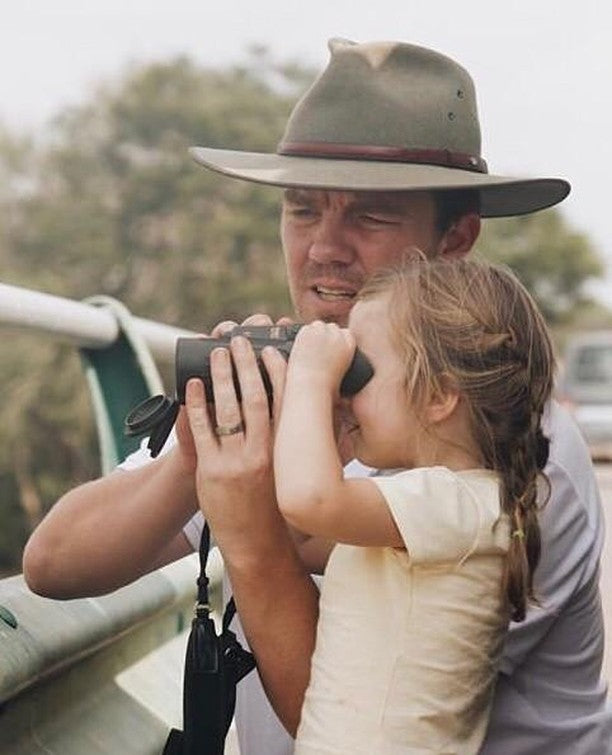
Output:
[[381, 155]]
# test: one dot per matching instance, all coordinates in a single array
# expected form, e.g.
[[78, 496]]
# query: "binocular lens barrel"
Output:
[[193, 360]]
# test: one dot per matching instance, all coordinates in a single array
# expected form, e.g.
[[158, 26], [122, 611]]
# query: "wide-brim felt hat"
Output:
[[387, 116]]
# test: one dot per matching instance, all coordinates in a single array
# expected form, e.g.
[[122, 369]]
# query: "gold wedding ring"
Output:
[[222, 430]]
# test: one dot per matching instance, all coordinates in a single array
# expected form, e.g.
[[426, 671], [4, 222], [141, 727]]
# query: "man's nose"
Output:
[[331, 241]]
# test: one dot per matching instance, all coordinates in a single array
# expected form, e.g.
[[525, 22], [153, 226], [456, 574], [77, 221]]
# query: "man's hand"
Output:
[[234, 477], [275, 597], [186, 447], [233, 470]]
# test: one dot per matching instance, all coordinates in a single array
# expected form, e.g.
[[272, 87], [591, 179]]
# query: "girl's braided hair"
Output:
[[474, 324]]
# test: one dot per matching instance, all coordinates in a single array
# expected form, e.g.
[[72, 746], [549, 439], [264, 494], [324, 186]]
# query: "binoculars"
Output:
[[156, 415]]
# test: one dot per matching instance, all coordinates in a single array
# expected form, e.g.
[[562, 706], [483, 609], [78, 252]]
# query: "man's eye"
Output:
[[302, 212], [378, 220]]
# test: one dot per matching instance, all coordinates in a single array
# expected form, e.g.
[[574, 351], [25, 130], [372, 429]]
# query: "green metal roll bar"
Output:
[[120, 376]]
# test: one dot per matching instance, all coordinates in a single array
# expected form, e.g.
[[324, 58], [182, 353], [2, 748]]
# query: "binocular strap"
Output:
[[214, 664]]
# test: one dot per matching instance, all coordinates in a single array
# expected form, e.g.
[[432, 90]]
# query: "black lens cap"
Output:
[[148, 414], [161, 431]]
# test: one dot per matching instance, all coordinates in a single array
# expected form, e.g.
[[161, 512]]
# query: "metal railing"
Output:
[[79, 323], [100, 675]]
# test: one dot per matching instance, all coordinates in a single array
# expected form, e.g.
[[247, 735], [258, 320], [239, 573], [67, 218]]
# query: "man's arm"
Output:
[[108, 532], [278, 604], [275, 596]]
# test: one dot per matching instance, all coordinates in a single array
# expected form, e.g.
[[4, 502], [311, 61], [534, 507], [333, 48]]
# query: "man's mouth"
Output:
[[334, 294]]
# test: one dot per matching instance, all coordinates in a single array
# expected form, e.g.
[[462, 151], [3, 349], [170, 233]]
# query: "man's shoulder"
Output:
[[571, 521], [566, 439], [570, 468]]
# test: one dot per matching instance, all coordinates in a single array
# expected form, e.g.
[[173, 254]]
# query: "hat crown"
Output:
[[387, 116], [388, 95]]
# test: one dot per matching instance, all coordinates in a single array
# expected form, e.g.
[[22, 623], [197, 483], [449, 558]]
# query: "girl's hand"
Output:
[[321, 355]]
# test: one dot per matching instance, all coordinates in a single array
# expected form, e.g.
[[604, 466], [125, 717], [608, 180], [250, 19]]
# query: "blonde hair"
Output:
[[474, 324]]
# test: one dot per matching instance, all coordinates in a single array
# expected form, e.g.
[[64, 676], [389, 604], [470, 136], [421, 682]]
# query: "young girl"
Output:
[[436, 552]]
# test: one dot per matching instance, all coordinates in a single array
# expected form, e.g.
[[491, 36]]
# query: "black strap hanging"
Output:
[[214, 664]]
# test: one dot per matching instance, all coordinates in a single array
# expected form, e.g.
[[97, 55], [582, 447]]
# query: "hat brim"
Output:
[[499, 195]]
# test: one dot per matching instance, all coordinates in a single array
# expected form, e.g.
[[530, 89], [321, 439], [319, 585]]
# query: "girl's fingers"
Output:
[[349, 339]]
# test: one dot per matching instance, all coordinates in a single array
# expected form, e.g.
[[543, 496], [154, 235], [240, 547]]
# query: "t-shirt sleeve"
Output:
[[138, 458], [193, 530], [142, 455], [439, 518]]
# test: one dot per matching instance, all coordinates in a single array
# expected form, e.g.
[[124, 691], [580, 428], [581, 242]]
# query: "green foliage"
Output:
[[46, 435], [107, 201], [553, 261], [111, 203], [120, 208]]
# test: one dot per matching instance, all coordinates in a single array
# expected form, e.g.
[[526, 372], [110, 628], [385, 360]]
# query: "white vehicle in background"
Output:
[[585, 388]]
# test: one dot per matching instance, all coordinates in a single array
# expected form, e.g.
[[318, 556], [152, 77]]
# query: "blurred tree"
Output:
[[110, 202], [119, 207], [553, 261]]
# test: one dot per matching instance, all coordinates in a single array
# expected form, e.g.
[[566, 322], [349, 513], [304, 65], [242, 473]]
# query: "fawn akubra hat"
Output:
[[387, 116]]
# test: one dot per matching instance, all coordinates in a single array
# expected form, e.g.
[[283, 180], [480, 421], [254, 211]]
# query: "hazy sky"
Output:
[[543, 69]]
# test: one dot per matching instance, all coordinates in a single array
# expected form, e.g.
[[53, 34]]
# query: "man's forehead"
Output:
[[391, 200]]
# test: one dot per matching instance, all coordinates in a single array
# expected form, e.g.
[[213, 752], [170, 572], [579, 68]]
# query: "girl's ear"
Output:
[[442, 403]]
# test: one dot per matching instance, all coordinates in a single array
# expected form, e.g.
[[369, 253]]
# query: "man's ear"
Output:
[[460, 237]]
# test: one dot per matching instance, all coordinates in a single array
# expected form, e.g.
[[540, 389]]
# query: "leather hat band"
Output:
[[379, 152]]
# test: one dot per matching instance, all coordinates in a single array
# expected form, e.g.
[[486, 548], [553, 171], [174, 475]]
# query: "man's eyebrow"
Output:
[[297, 196]]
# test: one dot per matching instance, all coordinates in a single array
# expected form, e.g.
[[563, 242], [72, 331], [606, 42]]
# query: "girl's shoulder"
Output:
[[443, 474]]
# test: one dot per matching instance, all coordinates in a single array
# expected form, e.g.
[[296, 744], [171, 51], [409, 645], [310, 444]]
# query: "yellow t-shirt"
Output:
[[408, 642]]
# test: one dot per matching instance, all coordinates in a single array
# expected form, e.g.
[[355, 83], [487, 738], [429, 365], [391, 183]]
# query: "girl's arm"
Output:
[[312, 493]]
